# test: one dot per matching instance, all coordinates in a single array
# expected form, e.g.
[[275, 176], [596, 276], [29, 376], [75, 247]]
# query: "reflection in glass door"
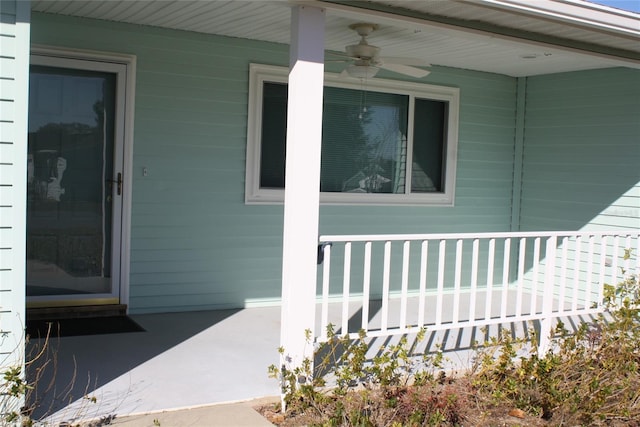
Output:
[[73, 185]]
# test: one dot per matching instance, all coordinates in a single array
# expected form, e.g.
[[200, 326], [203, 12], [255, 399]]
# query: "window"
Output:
[[383, 142]]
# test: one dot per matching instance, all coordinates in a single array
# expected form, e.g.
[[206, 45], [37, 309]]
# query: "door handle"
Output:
[[118, 182]]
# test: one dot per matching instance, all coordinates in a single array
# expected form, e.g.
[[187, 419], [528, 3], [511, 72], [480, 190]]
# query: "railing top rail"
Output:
[[469, 236]]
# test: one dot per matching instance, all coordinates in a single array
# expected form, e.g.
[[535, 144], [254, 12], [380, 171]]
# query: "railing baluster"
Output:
[[324, 312], [563, 274], [424, 251], [588, 282], [456, 282], [505, 278], [366, 286], [385, 285], [491, 256], [534, 281], [627, 262], [474, 280], [521, 264], [576, 272], [405, 283], [547, 296], [615, 256], [439, 295], [636, 255], [603, 268], [346, 281]]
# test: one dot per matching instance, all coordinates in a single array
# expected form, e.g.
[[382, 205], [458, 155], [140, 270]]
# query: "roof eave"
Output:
[[577, 12], [632, 57]]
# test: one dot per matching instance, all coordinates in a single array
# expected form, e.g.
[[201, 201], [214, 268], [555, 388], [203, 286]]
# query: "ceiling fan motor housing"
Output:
[[362, 51]]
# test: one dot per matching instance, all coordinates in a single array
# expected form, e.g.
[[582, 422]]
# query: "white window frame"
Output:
[[259, 74]]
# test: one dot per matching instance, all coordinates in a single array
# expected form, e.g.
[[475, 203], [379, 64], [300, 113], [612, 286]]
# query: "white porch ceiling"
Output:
[[499, 36]]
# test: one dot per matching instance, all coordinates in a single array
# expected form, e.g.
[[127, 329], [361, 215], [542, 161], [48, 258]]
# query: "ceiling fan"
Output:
[[365, 60]]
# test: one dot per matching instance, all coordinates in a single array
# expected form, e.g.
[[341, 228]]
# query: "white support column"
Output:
[[302, 182]]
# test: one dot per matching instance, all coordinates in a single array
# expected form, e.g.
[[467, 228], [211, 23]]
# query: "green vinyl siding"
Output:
[[582, 151], [194, 243]]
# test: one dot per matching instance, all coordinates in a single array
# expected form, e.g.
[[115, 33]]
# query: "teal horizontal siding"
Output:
[[582, 150], [195, 244]]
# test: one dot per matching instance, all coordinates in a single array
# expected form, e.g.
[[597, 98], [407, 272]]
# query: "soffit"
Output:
[[569, 19], [429, 29]]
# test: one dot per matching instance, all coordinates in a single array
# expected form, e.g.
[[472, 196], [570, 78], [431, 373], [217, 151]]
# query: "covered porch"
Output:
[[545, 130], [461, 297]]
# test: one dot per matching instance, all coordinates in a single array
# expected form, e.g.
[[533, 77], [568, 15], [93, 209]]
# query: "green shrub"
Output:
[[40, 364], [395, 385], [589, 377]]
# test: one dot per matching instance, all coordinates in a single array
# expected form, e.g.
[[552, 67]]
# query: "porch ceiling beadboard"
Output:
[[478, 35], [582, 151], [195, 244]]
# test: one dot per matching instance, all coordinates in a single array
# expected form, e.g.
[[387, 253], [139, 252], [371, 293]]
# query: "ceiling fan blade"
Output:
[[406, 70], [403, 61], [343, 55]]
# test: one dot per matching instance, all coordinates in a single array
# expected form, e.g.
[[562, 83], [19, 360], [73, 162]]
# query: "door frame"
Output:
[[124, 66]]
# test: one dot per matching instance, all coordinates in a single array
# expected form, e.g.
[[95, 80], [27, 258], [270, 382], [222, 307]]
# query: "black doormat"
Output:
[[82, 326]]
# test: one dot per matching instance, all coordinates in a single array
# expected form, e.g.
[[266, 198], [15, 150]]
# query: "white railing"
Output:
[[394, 284]]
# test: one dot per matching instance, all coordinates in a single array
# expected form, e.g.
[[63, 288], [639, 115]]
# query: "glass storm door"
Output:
[[74, 182]]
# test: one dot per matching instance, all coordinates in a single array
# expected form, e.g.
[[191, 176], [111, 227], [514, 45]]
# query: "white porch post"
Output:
[[302, 182]]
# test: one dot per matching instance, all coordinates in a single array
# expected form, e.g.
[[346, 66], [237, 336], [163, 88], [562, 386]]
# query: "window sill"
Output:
[[276, 197]]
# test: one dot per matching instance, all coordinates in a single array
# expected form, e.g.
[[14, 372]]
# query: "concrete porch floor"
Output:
[[182, 360]]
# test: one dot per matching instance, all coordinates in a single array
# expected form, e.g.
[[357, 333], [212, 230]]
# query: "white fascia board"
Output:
[[577, 12]]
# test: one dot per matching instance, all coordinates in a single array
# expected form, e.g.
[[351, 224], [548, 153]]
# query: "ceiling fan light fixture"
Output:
[[366, 61], [362, 71]]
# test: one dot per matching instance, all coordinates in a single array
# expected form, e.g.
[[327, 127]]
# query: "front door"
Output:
[[74, 182]]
